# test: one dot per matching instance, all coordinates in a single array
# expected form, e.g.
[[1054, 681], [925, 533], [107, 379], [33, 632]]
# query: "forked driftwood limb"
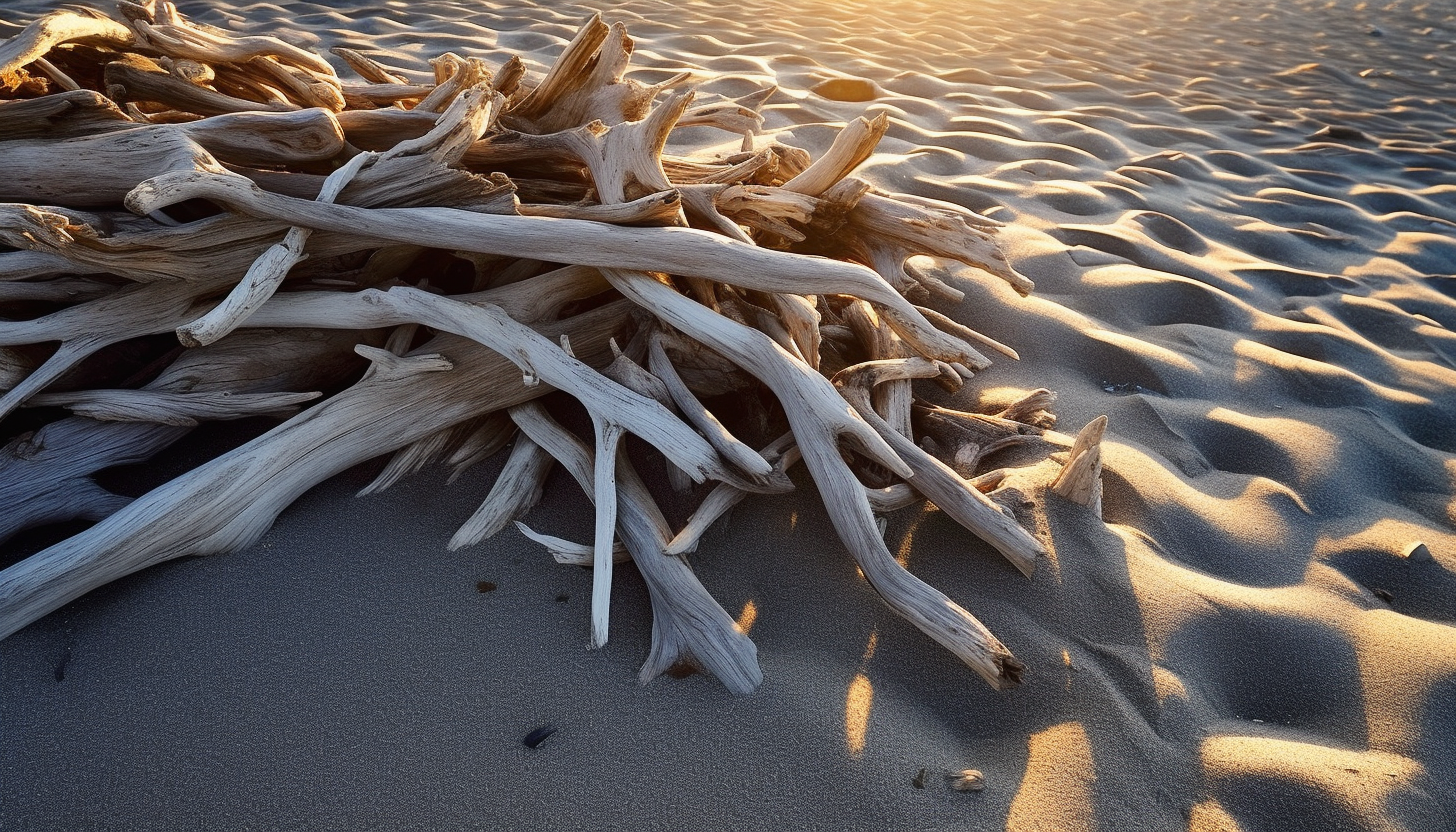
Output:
[[687, 624]]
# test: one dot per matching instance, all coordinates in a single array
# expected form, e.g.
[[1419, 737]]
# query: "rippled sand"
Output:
[[1240, 220]]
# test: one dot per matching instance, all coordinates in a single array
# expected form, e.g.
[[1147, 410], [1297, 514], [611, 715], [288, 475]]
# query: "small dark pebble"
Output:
[[485, 586], [1376, 32], [1340, 131], [539, 735], [919, 781], [563, 598], [1384, 595]]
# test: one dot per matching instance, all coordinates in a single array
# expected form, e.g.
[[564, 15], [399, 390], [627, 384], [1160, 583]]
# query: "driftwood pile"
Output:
[[482, 238]]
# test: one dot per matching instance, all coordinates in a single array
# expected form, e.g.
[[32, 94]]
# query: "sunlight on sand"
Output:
[[857, 703], [1056, 791]]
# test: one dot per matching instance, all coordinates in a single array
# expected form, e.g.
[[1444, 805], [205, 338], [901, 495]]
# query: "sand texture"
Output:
[[1241, 221]]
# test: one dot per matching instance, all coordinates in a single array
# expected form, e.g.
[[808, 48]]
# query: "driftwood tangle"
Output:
[[477, 242]]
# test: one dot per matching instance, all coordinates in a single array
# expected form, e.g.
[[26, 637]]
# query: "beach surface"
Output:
[[1241, 222]]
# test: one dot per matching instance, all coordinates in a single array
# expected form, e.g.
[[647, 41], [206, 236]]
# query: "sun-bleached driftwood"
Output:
[[678, 250], [687, 624], [49, 32], [228, 503], [1081, 479], [480, 235], [45, 475], [60, 116], [943, 486], [517, 488], [817, 419]]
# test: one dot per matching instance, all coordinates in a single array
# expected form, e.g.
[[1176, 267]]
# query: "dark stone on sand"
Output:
[[538, 735], [1341, 132]]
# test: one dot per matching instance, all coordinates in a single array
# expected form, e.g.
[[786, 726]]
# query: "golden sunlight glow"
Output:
[[1166, 684], [1352, 779], [1056, 791], [1401, 657], [1208, 816], [857, 714], [747, 617]]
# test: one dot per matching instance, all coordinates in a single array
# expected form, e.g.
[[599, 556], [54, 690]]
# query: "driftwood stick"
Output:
[[604, 471], [264, 139], [782, 453], [56, 290], [924, 606], [573, 65], [687, 624], [134, 78], [805, 394], [567, 553], [97, 169], [368, 69], [654, 209], [540, 359], [517, 489], [815, 425], [45, 477], [61, 115], [677, 250], [851, 147], [267, 272], [87, 327], [180, 39], [933, 478], [491, 434], [50, 31], [893, 398], [940, 229], [1081, 478], [728, 446], [180, 409], [965, 333]]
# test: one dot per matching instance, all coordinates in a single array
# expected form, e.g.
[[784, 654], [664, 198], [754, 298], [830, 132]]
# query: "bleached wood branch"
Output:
[[683, 251], [226, 504], [687, 624]]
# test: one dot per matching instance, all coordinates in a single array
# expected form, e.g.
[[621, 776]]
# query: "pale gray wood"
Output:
[[226, 504], [687, 624]]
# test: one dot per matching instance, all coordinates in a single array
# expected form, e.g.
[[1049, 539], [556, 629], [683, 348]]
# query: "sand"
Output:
[[1240, 220]]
